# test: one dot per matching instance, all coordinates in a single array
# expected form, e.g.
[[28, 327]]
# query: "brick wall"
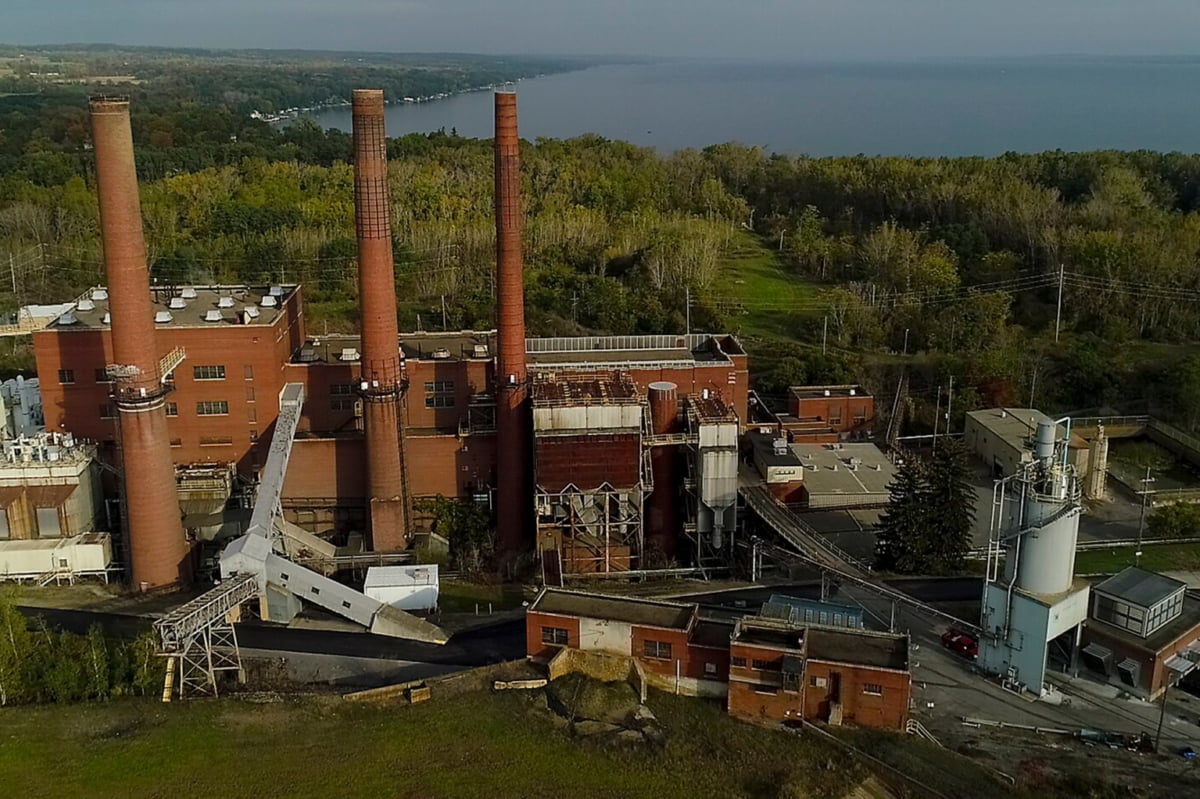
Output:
[[538, 650], [855, 687]]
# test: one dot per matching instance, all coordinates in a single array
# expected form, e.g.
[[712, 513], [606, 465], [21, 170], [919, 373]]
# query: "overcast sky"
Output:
[[777, 29]]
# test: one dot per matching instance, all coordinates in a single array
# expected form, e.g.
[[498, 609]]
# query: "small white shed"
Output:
[[404, 587]]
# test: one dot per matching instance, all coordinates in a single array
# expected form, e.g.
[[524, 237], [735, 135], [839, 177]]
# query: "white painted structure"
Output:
[[21, 402], [404, 587], [86, 554]]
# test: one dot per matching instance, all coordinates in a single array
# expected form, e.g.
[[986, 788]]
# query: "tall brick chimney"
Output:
[[382, 377], [158, 551], [513, 443]]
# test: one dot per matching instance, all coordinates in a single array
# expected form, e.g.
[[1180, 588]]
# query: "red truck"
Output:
[[961, 643]]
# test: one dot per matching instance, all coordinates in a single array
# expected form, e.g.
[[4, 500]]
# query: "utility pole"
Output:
[[1058, 313], [574, 302], [12, 267], [687, 298], [937, 413], [824, 333], [905, 342], [949, 400], [1162, 712], [1146, 481], [781, 234], [443, 312], [1033, 386]]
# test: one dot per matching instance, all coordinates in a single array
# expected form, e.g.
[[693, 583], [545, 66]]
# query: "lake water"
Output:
[[928, 109]]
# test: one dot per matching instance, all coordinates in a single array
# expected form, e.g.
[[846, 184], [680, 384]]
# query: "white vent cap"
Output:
[[85, 305], [276, 291], [252, 312], [213, 315], [99, 294], [107, 318], [349, 354], [188, 293], [162, 317], [67, 319], [269, 302], [177, 304], [225, 302]]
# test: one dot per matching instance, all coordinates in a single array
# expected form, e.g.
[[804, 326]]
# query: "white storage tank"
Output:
[[404, 587]]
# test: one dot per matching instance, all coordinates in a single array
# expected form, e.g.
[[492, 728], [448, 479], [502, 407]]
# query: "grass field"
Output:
[[1160, 557], [754, 278], [475, 745]]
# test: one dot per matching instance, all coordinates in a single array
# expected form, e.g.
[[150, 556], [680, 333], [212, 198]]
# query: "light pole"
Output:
[[1146, 481], [905, 342]]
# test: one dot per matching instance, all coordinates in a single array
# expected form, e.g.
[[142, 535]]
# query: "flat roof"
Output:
[[820, 392], [852, 470], [764, 451], [710, 408], [420, 346], [630, 610], [1014, 425], [881, 650], [712, 633], [676, 350], [226, 305], [762, 631], [585, 389], [1187, 620], [1140, 586]]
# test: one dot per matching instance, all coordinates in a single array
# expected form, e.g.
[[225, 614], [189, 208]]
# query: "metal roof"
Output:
[[647, 612], [1141, 587], [881, 650]]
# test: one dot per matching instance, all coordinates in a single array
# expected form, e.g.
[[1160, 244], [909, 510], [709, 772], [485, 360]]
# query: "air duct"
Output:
[[158, 551], [381, 366], [514, 498]]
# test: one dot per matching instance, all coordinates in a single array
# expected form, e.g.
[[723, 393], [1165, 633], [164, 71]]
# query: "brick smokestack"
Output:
[[382, 370], [661, 518], [158, 551], [512, 411]]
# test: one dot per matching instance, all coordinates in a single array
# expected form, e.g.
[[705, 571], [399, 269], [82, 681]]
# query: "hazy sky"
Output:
[[799, 29]]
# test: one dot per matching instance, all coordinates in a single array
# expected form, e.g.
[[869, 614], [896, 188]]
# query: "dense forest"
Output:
[[830, 268]]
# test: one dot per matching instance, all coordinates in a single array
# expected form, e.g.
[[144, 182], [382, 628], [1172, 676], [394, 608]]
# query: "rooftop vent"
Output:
[[107, 318], [225, 302], [85, 305], [213, 315], [162, 317], [827, 392], [177, 304], [252, 312], [441, 354], [307, 355], [852, 392], [269, 302], [99, 294], [276, 291], [188, 293], [67, 319], [479, 351], [348, 354], [780, 446]]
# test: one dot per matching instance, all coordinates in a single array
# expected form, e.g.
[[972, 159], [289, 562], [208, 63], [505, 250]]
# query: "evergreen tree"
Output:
[[899, 531], [950, 499]]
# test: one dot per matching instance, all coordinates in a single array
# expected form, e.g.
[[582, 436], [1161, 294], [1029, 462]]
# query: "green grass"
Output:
[[1159, 557], [457, 596], [754, 277], [475, 745]]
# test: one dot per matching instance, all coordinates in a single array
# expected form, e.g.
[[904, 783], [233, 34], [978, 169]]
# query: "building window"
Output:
[[341, 390], [439, 386], [341, 404], [102, 376], [253, 435], [738, 662], [208, 372], [248, 372], [252, 416], [108, 410], [215, 441], [439, 401], [657, 650], [874, 689], [766, 690], [172, 409], [212, 408], [767, 665], [554, 635], [710, 669], [818, 682], [176, 442], [66, 376], [249, 393]]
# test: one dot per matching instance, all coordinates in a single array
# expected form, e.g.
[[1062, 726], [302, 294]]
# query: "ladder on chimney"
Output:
[[405, 494]]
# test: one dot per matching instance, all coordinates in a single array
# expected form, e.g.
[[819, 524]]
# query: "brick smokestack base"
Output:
[[381, 366], [513, 442], [158, 550], [661, 520]]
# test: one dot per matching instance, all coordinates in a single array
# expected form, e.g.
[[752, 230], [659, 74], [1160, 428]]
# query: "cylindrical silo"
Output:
[[1047, 553], [661, 517]]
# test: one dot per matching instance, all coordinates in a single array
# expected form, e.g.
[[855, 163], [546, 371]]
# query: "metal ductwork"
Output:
[[158, 551], [381, 382], [514, 499]]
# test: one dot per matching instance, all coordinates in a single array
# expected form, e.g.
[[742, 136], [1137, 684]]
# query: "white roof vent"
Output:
[[188, 293], [213, 315], [67, 319], [276, 291], [269, 302], [480, 351], [225, 302], [85, 305], [99, 294], [441, 354], [162, 317], [827, 392], [852, 392], [348, 354], [307, 355], [252, 312], [177, 304], [107, 318]]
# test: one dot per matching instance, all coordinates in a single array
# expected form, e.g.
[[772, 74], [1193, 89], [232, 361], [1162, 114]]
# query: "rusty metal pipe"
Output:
[[158, 550], [382, 375]]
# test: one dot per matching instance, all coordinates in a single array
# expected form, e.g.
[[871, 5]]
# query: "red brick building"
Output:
[[768, 669], [230, 350], [825, 414]]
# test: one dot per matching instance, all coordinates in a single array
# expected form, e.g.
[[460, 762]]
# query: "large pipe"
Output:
[[661, 519], [158, 551], [382, 369], [512, 412]]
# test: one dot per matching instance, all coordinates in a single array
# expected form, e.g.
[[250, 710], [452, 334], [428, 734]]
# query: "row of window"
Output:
[[439, 386], [67, 376], [757, 665], [207, 408], [215, 441]]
